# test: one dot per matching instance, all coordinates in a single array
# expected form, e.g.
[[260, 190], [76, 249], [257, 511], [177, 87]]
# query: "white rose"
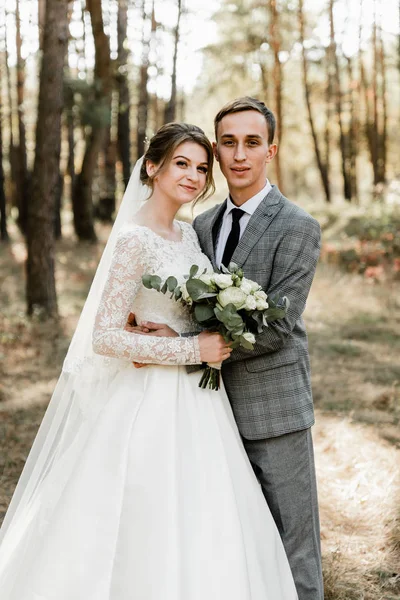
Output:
[[249, 337], [232, 295], [223, 281], [251, 303], [206, 278], [251, 286], [260, 295], [261, 299], [245, 286], [262, 305]]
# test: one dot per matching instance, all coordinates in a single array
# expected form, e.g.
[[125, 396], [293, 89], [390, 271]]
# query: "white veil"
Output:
[[80, 393]]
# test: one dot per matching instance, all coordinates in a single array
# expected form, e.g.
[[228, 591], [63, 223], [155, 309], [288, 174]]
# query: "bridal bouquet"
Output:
[[225, 302]]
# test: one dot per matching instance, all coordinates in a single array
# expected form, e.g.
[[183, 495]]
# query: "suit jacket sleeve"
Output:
[[294, 267]]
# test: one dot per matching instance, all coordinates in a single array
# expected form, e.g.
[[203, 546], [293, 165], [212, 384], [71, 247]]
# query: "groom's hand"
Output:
[[149, 328], [133, 327], [159, 329]]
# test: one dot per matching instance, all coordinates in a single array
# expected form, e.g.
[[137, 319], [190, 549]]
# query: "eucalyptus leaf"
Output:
[[258, 317], [273, 314], [171, 283], [196, 288], [203, 312], [178, 292], [235, 343], [229, 317], [164, 288], [155, 282], [193, 271], [146, 280], [238, 331], [207, 295], [246, 344]]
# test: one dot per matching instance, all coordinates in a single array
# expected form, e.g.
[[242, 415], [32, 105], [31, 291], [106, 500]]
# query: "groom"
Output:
[[277, 244]]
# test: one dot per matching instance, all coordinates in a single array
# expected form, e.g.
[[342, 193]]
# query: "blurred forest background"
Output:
[[84, 83]]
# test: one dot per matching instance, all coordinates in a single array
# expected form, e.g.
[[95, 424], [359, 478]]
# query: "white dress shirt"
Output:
[[249, 207]]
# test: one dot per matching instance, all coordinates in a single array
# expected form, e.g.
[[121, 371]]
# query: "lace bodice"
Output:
[[140, 250]]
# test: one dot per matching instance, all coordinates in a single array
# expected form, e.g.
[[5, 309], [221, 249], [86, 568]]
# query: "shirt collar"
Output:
[[252, 204]]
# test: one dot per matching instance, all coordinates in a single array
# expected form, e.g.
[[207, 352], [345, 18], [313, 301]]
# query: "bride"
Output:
[[137, 486]]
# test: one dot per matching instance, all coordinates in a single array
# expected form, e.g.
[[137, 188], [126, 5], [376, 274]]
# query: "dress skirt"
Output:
[[161, 504]]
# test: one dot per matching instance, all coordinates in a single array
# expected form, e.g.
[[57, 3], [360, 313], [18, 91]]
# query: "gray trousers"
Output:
[[285, 468]]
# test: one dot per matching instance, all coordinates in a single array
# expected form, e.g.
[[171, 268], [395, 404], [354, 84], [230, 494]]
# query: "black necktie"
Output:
[[233, 237]]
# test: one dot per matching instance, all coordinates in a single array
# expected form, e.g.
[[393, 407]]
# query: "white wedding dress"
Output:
[[162, 503]]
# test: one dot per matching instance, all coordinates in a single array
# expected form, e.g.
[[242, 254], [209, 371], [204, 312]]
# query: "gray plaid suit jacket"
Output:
[[270, 387]]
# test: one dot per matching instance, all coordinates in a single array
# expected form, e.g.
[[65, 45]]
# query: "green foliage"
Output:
[[229, 317], [369, 244], [198, 290], [83, 100], [152, 282], [203, 313]]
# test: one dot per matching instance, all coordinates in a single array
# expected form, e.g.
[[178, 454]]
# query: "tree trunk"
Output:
[[3, 205], [374, 93], [264, 81], [398, 46], [124, 145], [344, 136], [354, 129], [82, 200], [143, 104], [329, 110], [277, 78], [383, 130], [57, 211], [182, 107], [12, 153], [157, 112], [22, 182], [321, 165], [41, 20], [170, 109], [106, 204], [41, 290], [369, 125], [3, 202], [69, 117]]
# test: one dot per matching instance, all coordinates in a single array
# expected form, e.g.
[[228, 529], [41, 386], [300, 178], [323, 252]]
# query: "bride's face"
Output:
[[184, 177]]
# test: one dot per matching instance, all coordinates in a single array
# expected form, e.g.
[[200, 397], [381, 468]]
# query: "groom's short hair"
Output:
[[247, 103]]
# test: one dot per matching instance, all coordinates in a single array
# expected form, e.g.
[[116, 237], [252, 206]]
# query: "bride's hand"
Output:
[[149, 328], [213, 347]]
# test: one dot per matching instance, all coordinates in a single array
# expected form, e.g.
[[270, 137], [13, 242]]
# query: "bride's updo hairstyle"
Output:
[[163, 145]]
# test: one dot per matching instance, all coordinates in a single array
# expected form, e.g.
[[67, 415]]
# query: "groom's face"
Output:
[[243, 151]]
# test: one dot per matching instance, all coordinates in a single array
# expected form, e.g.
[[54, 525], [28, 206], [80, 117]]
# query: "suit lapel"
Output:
[[210, 236], [257, 225]]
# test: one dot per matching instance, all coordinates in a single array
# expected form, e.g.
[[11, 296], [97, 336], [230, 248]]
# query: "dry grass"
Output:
[[354, 332]]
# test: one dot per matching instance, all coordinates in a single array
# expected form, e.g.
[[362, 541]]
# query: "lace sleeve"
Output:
[[122, 286]]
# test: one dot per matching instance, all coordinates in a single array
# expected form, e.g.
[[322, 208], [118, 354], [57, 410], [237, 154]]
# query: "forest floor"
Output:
[[354, 330]]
